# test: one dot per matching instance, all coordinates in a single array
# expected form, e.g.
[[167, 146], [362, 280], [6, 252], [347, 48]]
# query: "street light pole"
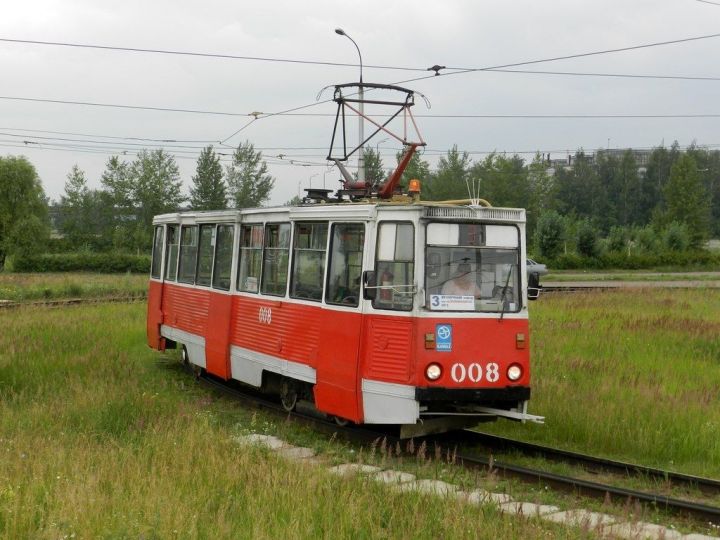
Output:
[[361, 125]]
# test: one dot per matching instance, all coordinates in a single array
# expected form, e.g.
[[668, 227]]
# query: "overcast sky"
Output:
[[419, 34]]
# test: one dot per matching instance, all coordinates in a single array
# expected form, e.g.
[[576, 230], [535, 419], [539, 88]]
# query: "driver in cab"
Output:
[[463, 284]]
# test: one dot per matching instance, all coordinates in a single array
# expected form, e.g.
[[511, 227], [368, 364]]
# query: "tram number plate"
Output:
[[475, 372], [265, 315]]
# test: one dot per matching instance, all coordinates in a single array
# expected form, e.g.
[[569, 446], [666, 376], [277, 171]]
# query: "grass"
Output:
[[630, 374], [101, 437], [624, 275], [18, 287]]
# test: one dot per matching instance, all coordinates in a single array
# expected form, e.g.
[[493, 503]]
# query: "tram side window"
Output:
[[223, 257], [345, 265], [309, 249], [395, 266], [188, 254], [155, 268], [275, 259], [171, 256], [251, 243], [205, 255]]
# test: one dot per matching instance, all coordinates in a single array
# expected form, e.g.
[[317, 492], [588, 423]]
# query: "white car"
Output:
[[536, 268]]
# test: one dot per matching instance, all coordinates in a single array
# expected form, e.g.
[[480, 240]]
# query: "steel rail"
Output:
[[62, 302], [708, 486], [596, 490], [447, 443]]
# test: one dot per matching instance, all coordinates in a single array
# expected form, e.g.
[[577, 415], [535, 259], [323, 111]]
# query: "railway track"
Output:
[[455, 444], [64, 302]]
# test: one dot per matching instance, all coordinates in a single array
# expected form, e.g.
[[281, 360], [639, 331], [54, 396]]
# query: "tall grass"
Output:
[[102, 438], [20, 287], [631, 374]]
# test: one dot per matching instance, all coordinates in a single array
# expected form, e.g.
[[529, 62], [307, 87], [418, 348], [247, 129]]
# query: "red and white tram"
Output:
[[413, 314]]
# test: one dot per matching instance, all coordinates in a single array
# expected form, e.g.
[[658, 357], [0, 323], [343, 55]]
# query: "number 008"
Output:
[[474, 372]]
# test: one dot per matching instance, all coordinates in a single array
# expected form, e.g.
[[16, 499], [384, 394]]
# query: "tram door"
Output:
[[155, 290], [217, 342], [336, 389]]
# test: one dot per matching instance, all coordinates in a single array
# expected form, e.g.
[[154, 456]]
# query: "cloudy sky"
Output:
[[453, 33]]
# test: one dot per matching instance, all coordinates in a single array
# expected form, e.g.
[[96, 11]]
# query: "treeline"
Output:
[[107, 224], [593, 204], [119, 215], [592, 209]]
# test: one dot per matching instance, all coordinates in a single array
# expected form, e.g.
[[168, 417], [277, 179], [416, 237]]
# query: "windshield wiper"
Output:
[[502, 296]]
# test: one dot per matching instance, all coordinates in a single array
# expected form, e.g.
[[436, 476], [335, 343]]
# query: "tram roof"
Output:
[[348, 210]]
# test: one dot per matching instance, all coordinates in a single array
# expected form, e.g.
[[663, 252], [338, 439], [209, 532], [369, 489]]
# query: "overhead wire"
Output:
[[455, 71]]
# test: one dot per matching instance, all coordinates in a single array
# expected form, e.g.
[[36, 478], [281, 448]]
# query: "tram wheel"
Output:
[[288, 395], [184, 356], [342, 422]]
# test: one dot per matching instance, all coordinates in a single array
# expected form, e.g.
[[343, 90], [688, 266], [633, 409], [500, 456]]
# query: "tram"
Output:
[[375, 307]]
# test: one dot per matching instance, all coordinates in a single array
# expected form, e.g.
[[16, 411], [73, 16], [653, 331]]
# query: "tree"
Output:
[[138, 191], [587, 239], [550, 234], [417, 168], [74, 208], [580, 190], [450, 180], [248, 181], [209, 191], [503, 181], [542, 196], [24, 225], [655, 178], [374, 173], [686, 200]]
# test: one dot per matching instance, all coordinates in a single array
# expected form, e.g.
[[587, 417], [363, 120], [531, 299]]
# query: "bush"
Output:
[[617, 239], [676, 237], [587, 239], [637, 261], [107, 263], [646, 239], [550, 234]]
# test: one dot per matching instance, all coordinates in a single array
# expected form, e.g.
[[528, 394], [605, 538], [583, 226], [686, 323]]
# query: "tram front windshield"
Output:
[[472, 267]]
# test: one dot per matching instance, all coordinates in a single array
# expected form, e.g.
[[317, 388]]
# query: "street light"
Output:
[[361, 124], [310, 179], [341, 32], [377, 146]]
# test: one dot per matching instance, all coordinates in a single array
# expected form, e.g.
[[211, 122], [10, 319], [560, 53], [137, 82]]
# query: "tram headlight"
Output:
[[433, 372], [514, 372]]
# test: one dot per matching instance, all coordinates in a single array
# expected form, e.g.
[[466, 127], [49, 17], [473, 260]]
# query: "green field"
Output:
[[630, 374], [101, 437], [623, 275], [17, 287]]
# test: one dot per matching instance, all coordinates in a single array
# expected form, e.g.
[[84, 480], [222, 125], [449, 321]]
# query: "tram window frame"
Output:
[[310, 250], [157, 252], [391, 298], [251, 250], [343, 287], [276, 259], [224, 243], [205, 257], [172, 255], [445, 251], [183, 273]]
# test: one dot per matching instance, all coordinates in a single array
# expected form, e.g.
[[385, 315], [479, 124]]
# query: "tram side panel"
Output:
[[155, 315], [336, 391], [185, 318], [275, 336]]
